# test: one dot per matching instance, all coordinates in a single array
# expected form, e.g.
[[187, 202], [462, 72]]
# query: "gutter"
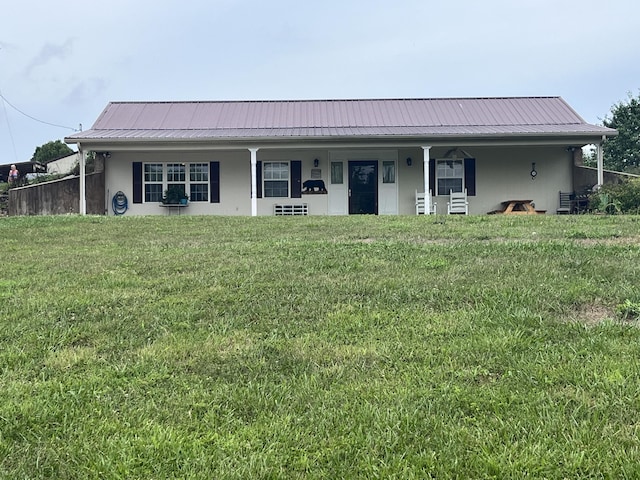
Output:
[[217, 143]]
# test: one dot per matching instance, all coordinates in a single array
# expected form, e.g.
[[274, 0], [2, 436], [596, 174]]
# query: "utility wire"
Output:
[[6, 117], [33, 118]]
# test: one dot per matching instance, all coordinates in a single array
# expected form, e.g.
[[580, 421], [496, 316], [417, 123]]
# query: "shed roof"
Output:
[[296, 119]]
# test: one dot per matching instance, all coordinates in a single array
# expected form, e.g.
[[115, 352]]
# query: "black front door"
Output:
[[363, 187]]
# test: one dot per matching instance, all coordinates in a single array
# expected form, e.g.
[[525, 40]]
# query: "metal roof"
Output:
[[296, 119]]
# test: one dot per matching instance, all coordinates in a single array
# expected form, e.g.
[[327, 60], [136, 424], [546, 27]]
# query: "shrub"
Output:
[[620, 198]]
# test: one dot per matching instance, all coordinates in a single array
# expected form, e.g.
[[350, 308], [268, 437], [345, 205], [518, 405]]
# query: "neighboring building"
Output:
[[63, 165], [371, 156], [26, 169]]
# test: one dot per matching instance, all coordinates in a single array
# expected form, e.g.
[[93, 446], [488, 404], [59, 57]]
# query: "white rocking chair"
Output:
[[458, 203], [420, 200]]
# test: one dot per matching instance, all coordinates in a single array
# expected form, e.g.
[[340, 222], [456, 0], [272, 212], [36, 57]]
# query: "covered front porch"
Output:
[[343, 179]]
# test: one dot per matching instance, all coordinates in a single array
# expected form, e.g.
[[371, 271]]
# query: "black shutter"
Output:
[[214, 182], [470, 176], [259, 180], [296, 179], [137, 182], [432, 176]]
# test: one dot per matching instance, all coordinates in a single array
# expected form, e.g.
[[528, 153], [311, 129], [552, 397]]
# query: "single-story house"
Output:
[[338, 157]]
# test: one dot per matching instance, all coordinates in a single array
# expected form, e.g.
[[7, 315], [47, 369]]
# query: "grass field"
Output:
[[320, 347]]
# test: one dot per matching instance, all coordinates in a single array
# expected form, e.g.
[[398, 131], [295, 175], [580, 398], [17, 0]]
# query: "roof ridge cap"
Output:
[[332, 100]]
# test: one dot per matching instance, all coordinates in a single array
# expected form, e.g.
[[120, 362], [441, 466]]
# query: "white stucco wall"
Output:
[[233, 165], [63, 165], [502, 173], [235, 177], [316, 203]]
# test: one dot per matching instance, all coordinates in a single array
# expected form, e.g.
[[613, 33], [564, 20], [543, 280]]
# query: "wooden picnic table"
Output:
[[518, 207]]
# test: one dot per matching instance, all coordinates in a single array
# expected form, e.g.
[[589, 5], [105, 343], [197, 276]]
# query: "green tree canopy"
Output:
[[51, 151], [622, 153]]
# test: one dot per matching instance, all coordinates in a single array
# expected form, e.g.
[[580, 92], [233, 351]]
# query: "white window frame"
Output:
[[276, 176], [199, 178], [174, 173], [152, 176], [388, 171], [450, 174], [337, 173]]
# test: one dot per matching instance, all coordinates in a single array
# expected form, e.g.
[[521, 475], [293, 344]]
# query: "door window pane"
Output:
[[336, 173], [388, 172]]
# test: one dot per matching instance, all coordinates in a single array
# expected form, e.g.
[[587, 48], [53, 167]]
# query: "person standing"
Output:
[[13, 174]]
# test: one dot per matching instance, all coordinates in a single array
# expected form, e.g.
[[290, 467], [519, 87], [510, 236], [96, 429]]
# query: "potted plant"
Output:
[[174, 195]]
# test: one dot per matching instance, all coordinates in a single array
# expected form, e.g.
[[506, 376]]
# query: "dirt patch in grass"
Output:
[[591, 314]]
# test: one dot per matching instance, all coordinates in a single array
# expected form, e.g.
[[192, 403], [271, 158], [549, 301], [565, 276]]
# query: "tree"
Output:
[[622, 153], [51, 151]]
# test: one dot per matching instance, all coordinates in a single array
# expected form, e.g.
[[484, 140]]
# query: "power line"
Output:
[[34, 118], [6, 116]]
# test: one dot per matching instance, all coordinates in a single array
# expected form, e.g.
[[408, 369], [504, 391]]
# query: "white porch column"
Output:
[[427, 196], [600, 162], [254, 182], [83, 181]]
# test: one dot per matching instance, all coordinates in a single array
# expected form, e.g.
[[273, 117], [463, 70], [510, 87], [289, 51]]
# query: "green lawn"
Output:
[[320, 347]]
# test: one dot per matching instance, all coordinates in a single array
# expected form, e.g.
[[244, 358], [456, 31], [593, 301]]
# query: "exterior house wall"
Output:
[[316, 203], [234, 167], [235, 180], [502, 173], [388, 198], [63, 165]]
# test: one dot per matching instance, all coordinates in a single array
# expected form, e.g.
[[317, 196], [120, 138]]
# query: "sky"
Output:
[[61, 63]]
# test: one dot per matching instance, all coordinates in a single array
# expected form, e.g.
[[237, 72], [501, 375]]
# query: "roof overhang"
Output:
[[98, 140]]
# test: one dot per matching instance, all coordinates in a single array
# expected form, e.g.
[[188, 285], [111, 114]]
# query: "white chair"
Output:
[[420, 203], [458, 202]]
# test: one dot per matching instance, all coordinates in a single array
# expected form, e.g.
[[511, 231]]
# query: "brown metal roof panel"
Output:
[[151, 116], [118, 114], [484, 113], [519, 113], [446, 113], [180, 115], [337, 113], [205, 116], [552, 110], [494, 113]]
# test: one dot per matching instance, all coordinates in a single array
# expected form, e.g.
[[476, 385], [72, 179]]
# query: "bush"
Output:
[[620, 198]]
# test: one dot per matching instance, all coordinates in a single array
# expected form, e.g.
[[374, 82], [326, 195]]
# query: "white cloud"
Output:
[[48, 54]]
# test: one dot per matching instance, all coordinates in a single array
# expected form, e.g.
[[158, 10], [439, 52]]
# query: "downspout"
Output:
[[83, 181], [601, 162], [427, 193], [254, 182]]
